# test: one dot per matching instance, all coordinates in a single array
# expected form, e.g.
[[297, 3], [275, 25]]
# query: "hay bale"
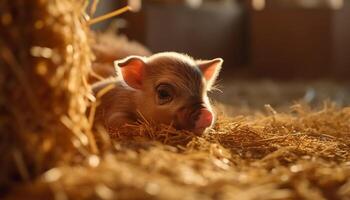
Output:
[[44, 57]]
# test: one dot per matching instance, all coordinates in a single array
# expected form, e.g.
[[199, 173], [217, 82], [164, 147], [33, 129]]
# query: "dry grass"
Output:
[[44, 56], [298, 155], [49, 151]]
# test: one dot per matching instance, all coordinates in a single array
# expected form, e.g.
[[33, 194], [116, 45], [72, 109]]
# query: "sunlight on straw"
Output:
[[92, 140], [94, 161], [87, 139], [91, 97], [95, 103], [104, 192], [43, 52], [95, 75], [109, 15], [93, 7], [104, 91], [52, 175], [269, 108]]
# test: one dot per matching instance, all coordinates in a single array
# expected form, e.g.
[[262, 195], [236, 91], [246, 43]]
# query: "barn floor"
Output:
[[272, 141]]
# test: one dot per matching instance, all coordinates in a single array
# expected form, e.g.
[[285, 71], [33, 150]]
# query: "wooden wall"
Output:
[[294, 42], [283, 42]]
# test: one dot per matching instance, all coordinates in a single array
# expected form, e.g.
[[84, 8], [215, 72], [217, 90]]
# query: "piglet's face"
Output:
[[172, 89]]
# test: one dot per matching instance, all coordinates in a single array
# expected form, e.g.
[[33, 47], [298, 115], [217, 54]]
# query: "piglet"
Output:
[[165, 88]]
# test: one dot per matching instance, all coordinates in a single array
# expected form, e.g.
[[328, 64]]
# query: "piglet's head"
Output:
[[171, 88]]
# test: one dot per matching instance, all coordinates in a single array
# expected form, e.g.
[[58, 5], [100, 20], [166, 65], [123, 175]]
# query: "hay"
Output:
[[44, 56], [298, 155], [49, 152]]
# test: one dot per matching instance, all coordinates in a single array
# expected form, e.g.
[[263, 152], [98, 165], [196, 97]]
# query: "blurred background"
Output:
[[265, 43], [257, 38]]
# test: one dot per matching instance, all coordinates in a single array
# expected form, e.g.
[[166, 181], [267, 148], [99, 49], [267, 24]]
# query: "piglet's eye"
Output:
[[165, 93]]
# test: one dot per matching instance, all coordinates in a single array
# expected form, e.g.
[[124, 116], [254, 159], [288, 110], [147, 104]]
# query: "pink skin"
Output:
[[205, 119]]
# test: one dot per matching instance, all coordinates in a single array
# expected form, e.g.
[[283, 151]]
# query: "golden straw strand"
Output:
[[109, 15], [92, 142], [94, 7]]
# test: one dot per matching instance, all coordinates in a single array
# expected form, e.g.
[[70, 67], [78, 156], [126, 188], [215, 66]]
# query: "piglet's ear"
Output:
[[210, 70], [131, 70]]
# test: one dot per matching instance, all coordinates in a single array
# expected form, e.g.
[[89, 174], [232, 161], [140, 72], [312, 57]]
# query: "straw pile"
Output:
[[299, 155], [48, 150], [44, 58]]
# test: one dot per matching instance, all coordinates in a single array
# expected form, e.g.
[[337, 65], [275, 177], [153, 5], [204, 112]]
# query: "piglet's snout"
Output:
[[204, 120]]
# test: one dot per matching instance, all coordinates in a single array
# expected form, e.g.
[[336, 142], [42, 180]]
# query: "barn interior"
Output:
[[283, 121]]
